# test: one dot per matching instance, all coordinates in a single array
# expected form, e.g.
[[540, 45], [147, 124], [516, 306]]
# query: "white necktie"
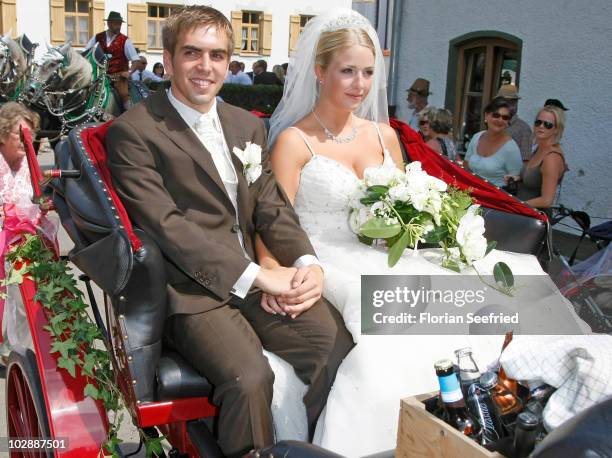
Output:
[[212, 139]]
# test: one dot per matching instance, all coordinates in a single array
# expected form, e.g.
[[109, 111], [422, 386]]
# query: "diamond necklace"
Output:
[[337, 138]]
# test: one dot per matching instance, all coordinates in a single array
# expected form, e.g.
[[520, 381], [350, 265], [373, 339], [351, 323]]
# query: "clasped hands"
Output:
[[289, 290]]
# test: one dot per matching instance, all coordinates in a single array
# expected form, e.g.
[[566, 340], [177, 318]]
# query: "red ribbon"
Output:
[[17, 222]]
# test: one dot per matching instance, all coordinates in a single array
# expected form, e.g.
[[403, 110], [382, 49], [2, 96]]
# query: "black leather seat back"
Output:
[[518, 233], [134, 280]]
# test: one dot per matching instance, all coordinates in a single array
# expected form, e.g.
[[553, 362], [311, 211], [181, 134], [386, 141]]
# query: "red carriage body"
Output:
[[160, 388]]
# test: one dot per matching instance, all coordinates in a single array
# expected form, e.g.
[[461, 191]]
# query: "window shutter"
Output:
[[294, 32], [237, 28], [266, 35], [97, 17], [137, 24], [8, 17], [57, 22]]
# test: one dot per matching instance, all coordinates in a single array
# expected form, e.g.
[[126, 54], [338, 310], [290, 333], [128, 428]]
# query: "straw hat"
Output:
[[421, 87]]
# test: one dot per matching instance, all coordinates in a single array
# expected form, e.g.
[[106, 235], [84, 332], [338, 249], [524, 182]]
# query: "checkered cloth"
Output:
[[580, 367]]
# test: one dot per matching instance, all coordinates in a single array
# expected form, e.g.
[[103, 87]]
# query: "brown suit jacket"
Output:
[[172, 190]]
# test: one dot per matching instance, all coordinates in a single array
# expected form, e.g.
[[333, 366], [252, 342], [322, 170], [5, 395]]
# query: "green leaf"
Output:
[[369, 200], [63, 347], [490, 246], [451, 265], [378, 189], [503, 275], [396, 250], [68, 364], [153, 446], [91, 391], [376, 228], [365, 240], [436, 235]]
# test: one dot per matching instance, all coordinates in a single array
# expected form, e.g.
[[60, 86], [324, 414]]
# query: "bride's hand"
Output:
[[270, 305], [307, 288]]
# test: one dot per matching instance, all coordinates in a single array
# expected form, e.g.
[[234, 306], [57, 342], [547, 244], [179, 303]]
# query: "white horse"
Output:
[[14, 63]]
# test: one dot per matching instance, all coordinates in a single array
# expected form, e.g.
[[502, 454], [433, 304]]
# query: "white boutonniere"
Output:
[[251, 161]]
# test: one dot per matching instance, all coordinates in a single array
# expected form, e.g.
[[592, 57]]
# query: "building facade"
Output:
[[267, 29], [557, 49]]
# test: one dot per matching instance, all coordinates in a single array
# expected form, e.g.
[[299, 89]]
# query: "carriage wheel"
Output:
[[25, 406]]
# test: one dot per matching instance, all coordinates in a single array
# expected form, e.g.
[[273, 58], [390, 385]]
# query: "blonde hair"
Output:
[[427, 113], [11, 113], [332, 41], [559, 115], [191, 17]]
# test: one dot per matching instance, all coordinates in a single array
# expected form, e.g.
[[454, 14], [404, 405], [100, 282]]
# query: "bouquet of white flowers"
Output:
[[412, 207]]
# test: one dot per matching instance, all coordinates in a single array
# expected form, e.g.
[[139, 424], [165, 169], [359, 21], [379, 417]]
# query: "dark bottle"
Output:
[[507, 403], [527, 425], [481, 405], [468, 370], [454, 404]]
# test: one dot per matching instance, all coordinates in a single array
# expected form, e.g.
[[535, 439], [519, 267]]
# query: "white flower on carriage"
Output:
[[383, 175], [251, 161], [470, 235]]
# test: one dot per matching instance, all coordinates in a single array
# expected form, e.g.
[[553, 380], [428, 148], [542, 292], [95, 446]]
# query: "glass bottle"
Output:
[[468, 370], [481, 405], [508, 404], [458, 415], [527, 425]]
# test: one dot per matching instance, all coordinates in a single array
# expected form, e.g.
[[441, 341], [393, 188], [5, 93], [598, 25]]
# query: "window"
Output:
[[8, 18], [296, 26], [156, 16], [481, 65], [249, 32], [76, 21], [252, 33]]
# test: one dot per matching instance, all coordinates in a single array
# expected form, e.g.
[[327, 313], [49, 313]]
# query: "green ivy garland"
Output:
[[74, 335]]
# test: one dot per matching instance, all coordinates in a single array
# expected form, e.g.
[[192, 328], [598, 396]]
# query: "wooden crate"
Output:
[[421, 434]]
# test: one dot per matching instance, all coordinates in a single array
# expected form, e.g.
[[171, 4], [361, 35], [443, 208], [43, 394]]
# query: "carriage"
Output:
[[45, 399]]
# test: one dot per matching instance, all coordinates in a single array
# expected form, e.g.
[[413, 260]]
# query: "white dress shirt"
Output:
[[209, 131], [145, 75], [128, 48], [238, 78]]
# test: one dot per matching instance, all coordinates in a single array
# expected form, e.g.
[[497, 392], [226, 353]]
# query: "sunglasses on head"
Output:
[[499, 115], [423, 122], [546, 124]]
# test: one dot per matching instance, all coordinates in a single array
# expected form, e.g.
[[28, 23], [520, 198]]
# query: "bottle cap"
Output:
[[463, 351], [527, 420], [488, 380], [443, 365]]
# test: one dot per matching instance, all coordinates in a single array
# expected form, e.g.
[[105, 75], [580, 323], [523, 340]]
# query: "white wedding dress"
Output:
[[361, 415]]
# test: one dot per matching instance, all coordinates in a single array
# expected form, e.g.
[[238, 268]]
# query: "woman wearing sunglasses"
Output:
[[492, 153], [540, 176]]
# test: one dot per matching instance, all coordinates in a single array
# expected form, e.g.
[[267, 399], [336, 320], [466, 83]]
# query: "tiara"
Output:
[[344, 20]]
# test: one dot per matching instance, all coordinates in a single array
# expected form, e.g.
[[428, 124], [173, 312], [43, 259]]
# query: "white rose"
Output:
[[250, 155], [470, 235], [413, 167], [399, 192], [357, 218], [252, 172], [384, 175], [377, 208]]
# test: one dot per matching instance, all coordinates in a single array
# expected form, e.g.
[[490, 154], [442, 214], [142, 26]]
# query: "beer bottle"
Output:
[[527, 425], [507, 403], [454, 403], [468, 370], [481, 405]]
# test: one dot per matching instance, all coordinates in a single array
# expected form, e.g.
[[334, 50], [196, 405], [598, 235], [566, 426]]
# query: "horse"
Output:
[[15, 60], [71, 88]]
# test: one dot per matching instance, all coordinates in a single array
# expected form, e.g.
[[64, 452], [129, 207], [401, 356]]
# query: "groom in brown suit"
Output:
[[172, 164]]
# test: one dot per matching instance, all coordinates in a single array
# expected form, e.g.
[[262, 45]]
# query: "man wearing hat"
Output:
[[517, 128], [122, 52], [417, 100]]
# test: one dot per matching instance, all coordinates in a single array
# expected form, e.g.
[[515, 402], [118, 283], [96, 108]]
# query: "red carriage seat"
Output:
[[127, 265]]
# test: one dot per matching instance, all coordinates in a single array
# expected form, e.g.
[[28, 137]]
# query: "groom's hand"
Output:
[[275, 281], [307, 286]]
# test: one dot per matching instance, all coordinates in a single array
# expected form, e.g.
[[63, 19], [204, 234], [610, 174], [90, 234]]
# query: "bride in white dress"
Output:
[[329, 127]]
